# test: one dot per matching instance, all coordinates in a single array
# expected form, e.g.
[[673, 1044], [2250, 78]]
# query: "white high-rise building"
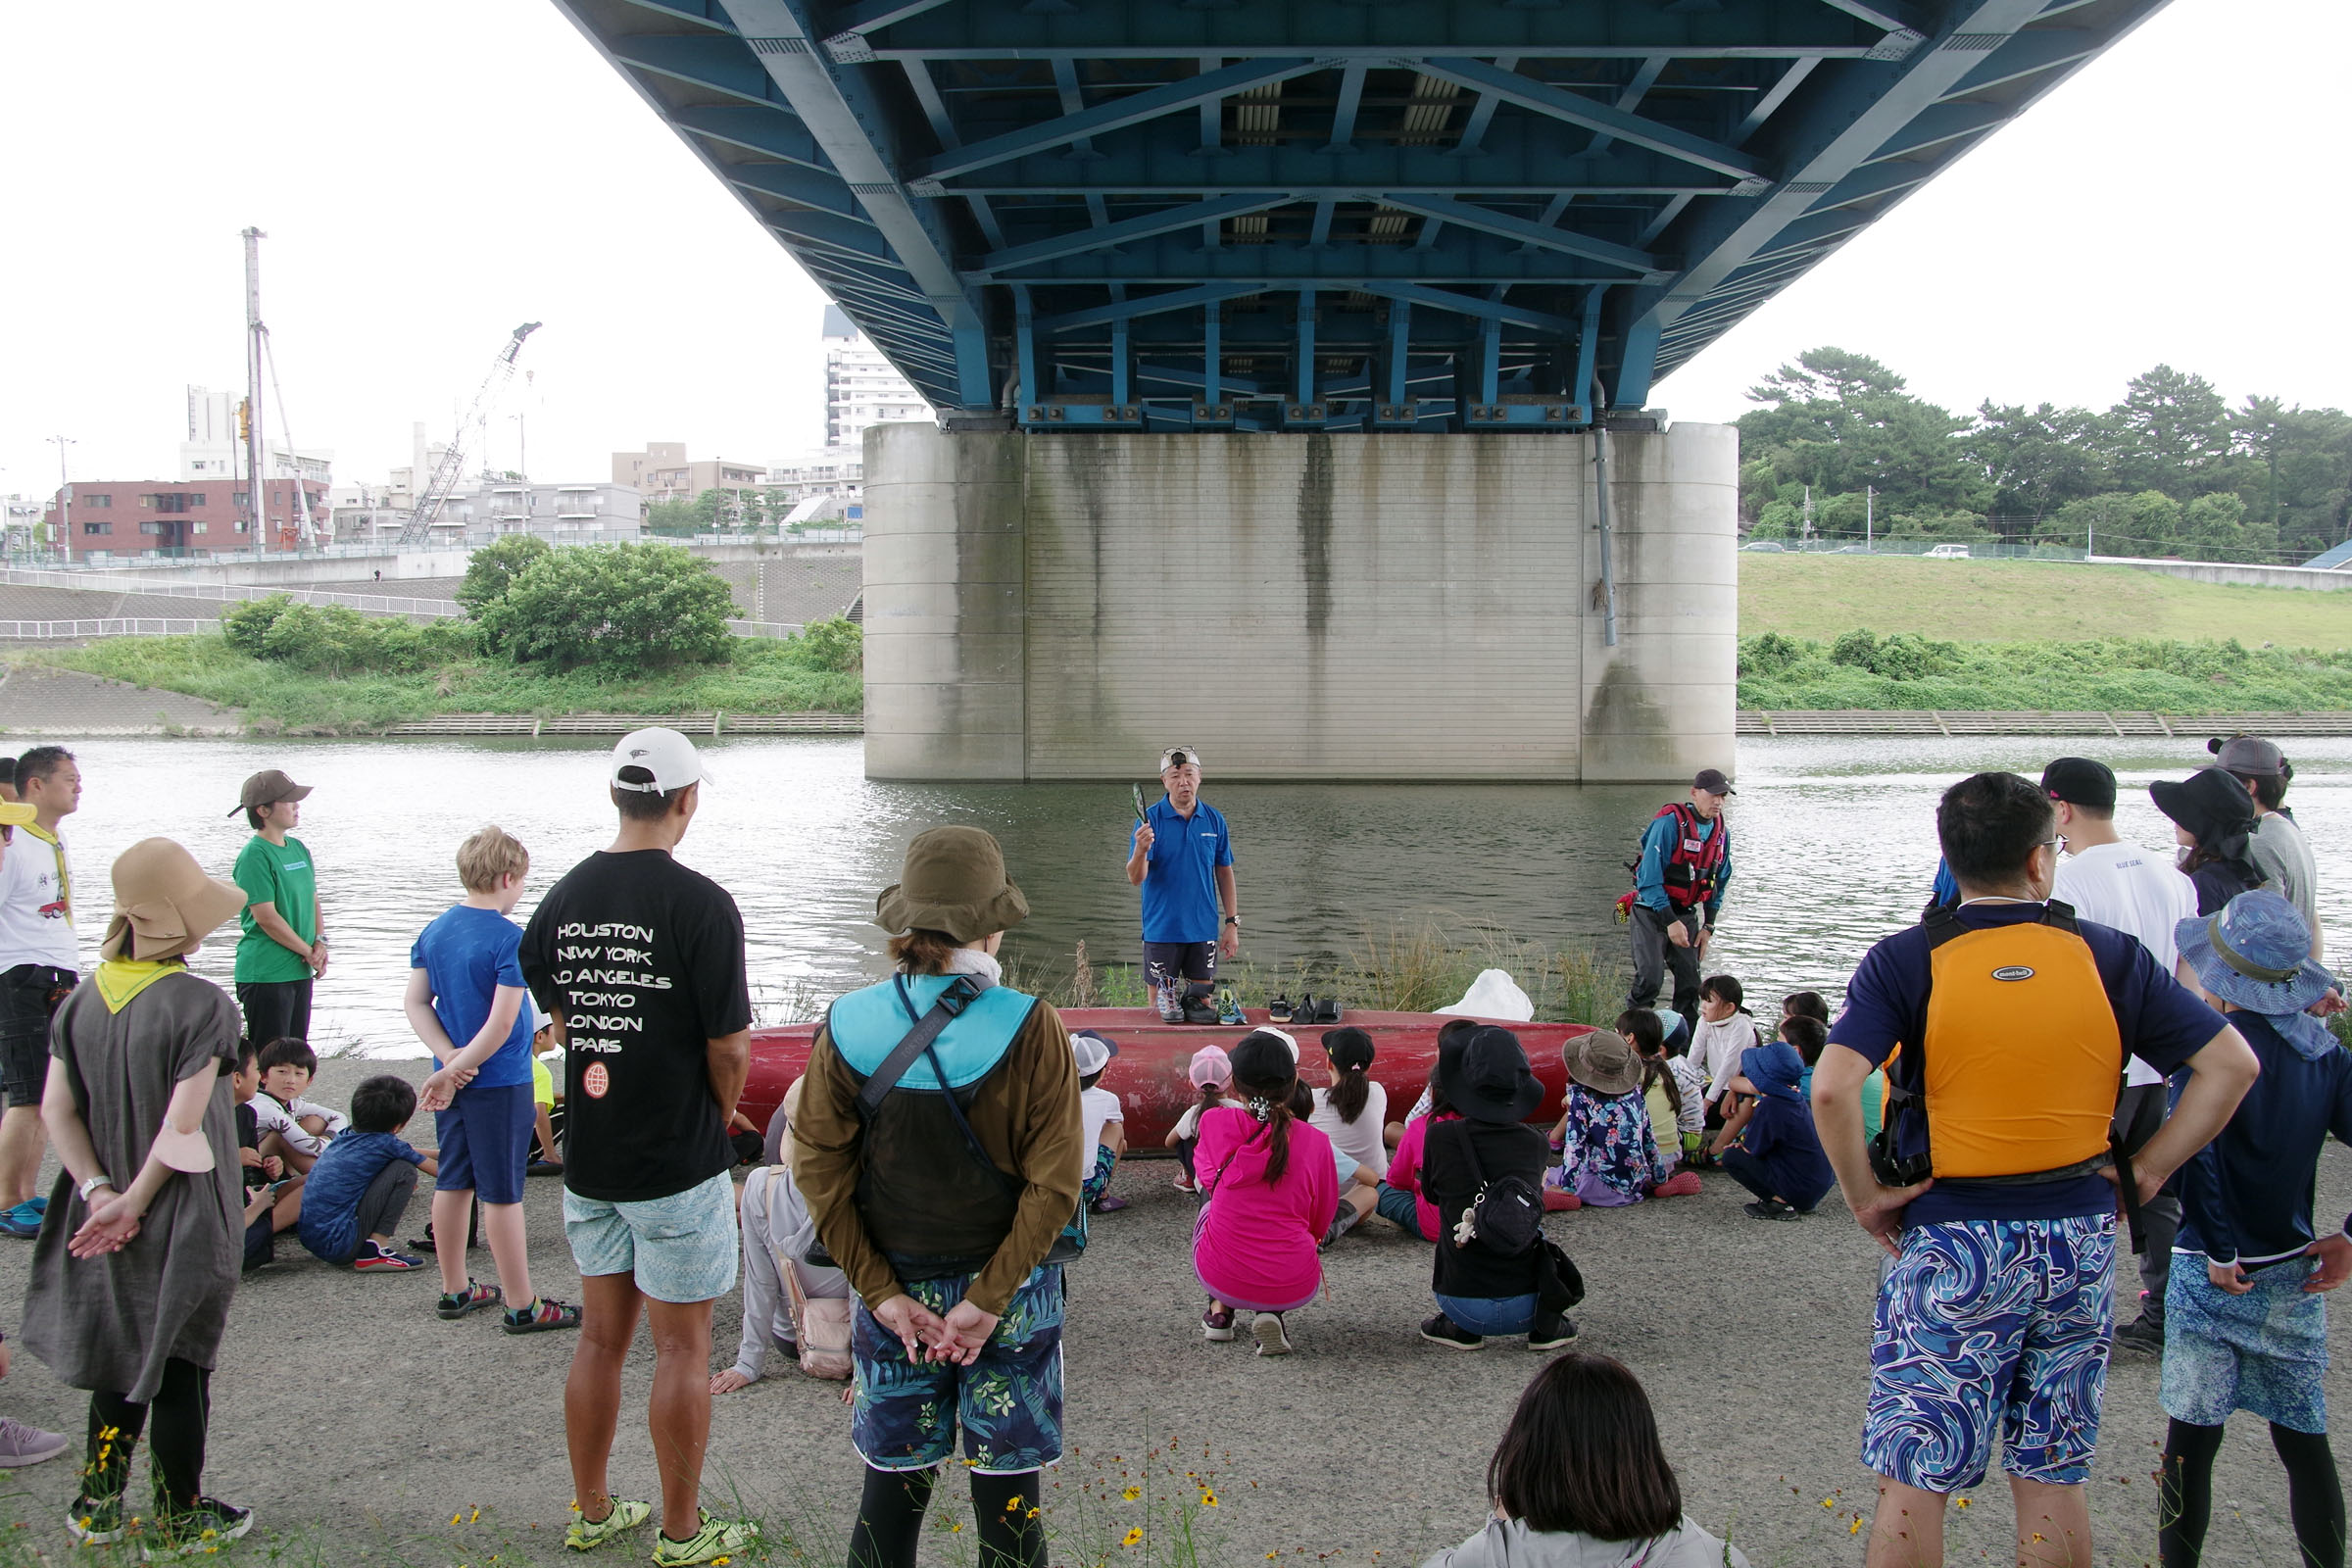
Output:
[[213, 451], [862, 387]]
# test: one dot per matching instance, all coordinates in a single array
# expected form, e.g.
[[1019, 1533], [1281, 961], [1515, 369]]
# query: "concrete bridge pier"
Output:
[[1299, 606]]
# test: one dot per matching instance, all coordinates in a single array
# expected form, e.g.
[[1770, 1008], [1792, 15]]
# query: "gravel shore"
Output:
[[357, 1423]]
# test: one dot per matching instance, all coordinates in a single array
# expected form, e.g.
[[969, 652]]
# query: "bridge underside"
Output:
[[1324, 215]]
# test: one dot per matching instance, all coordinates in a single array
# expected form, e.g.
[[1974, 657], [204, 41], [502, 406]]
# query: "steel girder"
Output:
[[1324, 213]]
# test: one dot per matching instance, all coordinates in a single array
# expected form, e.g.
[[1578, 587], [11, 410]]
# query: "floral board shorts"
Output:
[[2264, 1352], [1008, 1403], [1986, 1323]]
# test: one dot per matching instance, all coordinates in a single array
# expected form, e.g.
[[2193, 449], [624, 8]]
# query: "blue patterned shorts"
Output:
[[2264, 1351], [1985, 1322], [1008, 1402]]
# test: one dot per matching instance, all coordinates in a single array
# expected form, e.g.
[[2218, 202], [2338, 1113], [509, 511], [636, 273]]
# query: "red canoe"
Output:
[[1148, 1072]]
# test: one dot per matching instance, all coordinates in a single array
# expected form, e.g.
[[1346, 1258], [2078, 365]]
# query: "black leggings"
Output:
[[890, 1519], [2315, 1497], [182, 1409]]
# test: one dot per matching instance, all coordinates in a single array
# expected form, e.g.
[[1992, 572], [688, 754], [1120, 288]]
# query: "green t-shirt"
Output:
[[279, 875]]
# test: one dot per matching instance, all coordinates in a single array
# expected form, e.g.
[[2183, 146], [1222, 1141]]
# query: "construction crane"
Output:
[[436, 494]]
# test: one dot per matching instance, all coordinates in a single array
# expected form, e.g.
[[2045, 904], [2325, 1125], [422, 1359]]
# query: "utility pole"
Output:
[[522, 445], [256, 485], [65, 496], [1806, 534], [1870, 518]]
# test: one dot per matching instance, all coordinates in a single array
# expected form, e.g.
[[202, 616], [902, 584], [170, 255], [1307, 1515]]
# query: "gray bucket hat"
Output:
[[952, 880]]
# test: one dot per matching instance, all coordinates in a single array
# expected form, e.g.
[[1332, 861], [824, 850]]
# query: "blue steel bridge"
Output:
[[1326, 215]]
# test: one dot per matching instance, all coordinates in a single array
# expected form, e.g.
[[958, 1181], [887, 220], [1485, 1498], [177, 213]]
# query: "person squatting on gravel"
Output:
[[1272, 1186]]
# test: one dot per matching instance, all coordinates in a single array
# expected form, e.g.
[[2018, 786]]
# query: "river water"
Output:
[[1833, 841]]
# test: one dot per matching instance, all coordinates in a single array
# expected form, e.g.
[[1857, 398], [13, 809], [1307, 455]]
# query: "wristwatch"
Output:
[[92, 1185], [1233, 919]]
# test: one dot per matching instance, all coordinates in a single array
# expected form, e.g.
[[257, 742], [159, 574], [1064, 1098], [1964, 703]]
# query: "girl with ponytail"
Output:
[[1273, 1185]]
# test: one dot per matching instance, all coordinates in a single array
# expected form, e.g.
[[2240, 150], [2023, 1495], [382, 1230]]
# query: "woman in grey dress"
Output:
[[138, 1253]]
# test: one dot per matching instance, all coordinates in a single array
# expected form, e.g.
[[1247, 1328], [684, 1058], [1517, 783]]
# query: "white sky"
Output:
[[434, 172]]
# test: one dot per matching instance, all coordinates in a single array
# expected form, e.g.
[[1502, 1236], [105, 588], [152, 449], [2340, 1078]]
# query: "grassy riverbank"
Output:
[[2013, 601], [1859, 669], [760, 677]]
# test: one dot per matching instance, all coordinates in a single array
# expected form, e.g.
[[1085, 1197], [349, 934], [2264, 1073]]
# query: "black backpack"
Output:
[[1506, 1217]]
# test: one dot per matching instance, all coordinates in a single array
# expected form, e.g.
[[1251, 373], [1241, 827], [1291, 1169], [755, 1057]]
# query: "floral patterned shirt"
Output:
[[1609, 1147]]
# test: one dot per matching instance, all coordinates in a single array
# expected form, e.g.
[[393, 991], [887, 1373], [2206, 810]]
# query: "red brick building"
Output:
[[178, 517]]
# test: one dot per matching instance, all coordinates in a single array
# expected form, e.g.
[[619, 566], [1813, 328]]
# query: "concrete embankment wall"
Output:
[[1297, 605], [2232, 572]]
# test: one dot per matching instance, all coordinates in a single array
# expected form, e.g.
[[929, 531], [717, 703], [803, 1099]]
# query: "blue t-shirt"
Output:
[[2161, 1022], [1780, 1134], [1180, 880], [330, 1198], [2249, 1194], [468, 953]]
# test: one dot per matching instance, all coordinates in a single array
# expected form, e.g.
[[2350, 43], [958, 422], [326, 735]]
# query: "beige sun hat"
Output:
[[1603, 1063], [954, 881], [163, 903]]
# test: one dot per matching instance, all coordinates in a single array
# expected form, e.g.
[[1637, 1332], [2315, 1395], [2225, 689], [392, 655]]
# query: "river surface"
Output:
[[1834, 843]]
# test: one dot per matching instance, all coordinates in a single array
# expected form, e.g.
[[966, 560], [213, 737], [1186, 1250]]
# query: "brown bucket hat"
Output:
[[163, 903], [1605, 1063], [267, 788], [954, 881]]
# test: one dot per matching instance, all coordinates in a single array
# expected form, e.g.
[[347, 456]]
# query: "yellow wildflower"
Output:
[[1829, 1503], [1133, 1535], [1855, 1527], [1131, 1493], [1208, 1499], [1963, 1502]]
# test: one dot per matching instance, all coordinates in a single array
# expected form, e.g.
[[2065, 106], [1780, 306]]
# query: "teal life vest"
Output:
[[923, 1196]]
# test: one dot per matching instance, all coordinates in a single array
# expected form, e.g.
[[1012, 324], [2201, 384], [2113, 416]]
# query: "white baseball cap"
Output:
[[1179, 756], [1093, 1051], [663, 753]]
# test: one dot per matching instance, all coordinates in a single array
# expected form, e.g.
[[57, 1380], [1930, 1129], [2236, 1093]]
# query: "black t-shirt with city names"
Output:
[[644, 960]]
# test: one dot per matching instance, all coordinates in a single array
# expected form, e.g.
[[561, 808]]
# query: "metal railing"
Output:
[[52, 631], [236, 593]]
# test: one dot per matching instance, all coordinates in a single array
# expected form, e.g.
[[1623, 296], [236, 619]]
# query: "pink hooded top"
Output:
[[1256, 1242], [1404, 1168]]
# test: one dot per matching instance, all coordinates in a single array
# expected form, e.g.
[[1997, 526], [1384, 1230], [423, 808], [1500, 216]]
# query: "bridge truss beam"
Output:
[[1299, 214]]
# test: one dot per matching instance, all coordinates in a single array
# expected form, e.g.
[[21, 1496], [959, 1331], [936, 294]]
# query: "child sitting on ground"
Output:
[[1400, 1200], [468, 1003], [1351, 1109], [1777, 1156], [1673, 1089], [272, 1199], [1804, 1005], [1580, 1477], [1725, 1031], [362, 1184], [1106, 1138], [300, 1127], [1211, 1070], [2248, 1329], [1272, 1192], [778, 1283], [1609, 1156], [547, 1156]]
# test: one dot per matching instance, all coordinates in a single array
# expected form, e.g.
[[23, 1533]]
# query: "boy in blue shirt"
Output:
[[466, 985], [2249, 1331], [1777, 1156], [354, 1195]]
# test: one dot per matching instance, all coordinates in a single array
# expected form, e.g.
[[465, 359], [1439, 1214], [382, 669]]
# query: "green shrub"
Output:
[[1772, 653], [837, 645], [492, 570], [246, 624], [1857, 648], [618, 607]]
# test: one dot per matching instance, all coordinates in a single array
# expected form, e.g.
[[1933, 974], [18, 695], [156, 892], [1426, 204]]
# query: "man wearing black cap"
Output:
[[2142, 894], [281, 942], [1677, 888]]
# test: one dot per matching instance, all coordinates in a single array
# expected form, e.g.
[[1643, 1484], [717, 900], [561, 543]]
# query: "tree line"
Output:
[[1838, 447]]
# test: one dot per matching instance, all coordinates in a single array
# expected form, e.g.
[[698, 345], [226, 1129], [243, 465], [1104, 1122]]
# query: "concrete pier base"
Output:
[[1297, 606]]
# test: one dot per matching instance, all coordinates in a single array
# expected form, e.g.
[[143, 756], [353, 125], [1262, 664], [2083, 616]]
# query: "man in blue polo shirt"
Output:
[[1182, 858], [2013, 1021]]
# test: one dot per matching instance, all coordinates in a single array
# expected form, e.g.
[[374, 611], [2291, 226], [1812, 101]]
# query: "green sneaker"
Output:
[[586, 1534], [717, 1539]]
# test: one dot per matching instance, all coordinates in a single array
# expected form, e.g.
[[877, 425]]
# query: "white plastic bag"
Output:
[[1494, 994]]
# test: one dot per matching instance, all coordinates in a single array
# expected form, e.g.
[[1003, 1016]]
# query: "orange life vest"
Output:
[[2022, 1060]]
